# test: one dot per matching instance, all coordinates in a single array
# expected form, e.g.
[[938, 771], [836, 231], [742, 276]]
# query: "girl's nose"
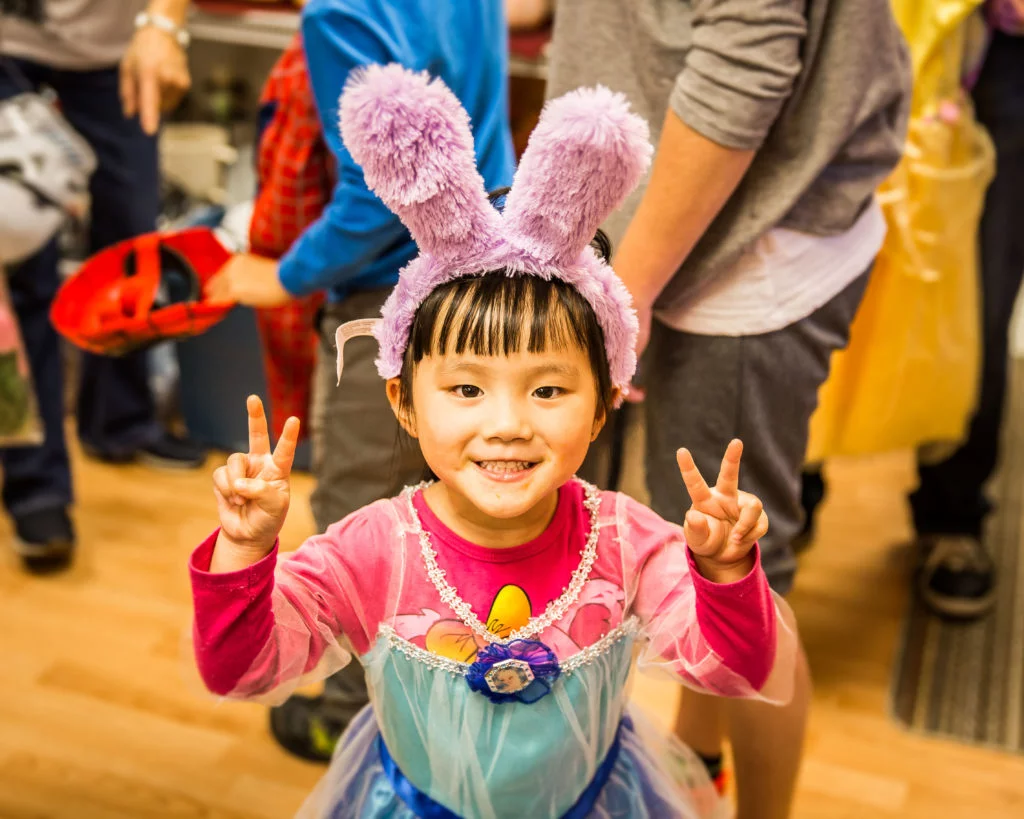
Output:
[[506, 422]]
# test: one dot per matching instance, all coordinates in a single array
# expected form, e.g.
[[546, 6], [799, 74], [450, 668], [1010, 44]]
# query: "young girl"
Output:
[[496, 609]]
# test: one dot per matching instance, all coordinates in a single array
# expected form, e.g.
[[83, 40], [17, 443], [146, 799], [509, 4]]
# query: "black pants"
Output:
[[951, 496], [115, 411]]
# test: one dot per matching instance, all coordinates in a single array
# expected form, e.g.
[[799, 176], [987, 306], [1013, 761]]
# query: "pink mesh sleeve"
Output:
[[734, 640], [263, 632]]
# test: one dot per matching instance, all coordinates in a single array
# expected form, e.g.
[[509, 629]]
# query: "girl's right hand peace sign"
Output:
[[253, 490]]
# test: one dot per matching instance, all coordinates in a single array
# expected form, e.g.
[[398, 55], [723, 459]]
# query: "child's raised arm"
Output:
[[710, 617], [253, 492], [261, 628]]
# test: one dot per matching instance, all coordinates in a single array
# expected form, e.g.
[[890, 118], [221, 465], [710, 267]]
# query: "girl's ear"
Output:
[[406, 419]]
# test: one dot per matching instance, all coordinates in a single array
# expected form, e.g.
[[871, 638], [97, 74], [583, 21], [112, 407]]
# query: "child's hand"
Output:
[[250, 280], [253, 490], [723, 524]]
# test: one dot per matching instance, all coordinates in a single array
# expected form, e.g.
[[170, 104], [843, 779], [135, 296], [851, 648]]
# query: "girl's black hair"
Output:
[[484, 315]]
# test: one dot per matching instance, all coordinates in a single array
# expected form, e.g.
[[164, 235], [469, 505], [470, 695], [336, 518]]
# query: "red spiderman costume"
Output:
[[296, 178]]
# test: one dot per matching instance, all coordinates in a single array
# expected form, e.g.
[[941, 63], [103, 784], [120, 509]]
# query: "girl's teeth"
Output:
[[505, 466]]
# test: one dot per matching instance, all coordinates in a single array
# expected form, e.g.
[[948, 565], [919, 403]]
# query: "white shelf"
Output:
[[275, 29], [527, 69], [264, 29]]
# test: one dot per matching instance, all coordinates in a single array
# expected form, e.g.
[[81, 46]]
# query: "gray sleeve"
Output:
[[740, 69]]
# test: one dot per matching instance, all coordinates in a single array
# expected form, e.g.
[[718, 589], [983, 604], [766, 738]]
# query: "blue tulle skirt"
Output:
[[639, 785]]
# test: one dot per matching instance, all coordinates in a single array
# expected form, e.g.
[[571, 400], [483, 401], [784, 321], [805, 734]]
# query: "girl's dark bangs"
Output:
[[496, 314], [485, 316]]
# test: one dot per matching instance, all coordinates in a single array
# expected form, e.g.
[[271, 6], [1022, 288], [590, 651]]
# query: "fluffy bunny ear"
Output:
[[412, 138], [585, 156]]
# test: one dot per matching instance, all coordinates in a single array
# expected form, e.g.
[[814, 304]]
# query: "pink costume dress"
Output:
[[498, 677]]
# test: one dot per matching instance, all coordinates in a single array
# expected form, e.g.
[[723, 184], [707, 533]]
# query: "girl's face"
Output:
[[503, 433]]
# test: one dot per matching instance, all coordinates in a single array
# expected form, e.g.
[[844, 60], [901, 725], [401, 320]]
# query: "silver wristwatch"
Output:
[[165, 24]]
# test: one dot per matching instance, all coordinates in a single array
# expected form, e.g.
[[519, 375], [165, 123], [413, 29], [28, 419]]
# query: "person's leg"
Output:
[[116, 411], [702, 392], [360, 455], [37, 479], [951, 500], [812, 493]]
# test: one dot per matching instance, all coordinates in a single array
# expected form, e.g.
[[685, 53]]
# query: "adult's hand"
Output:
[[1008, 15], [154, 69], [527, 14]]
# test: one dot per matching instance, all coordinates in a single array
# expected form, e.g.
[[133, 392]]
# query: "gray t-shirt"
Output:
[[820, 87], [74, 34]]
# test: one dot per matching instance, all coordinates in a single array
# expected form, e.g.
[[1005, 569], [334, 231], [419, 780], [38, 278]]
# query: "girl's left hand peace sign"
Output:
[[723, 523]]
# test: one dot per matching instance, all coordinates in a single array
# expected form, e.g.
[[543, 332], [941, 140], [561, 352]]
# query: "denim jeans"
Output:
[[116, 413]]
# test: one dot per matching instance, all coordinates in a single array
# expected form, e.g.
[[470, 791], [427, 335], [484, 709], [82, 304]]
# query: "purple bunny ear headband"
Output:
[[412, 138]]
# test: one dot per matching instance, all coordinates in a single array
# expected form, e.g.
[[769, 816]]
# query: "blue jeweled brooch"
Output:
[[522, 671]]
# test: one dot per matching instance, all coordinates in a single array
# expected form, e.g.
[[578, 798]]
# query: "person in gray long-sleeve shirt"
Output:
[[746, 253]]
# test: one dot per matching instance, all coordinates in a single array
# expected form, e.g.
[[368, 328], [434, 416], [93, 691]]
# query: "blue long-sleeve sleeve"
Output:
[[357, 243]]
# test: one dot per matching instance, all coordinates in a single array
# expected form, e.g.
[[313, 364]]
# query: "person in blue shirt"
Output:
[[354, 251]]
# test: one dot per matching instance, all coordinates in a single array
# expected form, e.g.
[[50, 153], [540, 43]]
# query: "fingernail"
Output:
[[241, 483]]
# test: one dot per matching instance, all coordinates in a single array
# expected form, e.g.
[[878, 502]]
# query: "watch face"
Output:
[[31, 10]]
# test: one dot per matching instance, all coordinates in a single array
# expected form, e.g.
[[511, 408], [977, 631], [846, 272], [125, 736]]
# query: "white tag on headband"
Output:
[[350, 330]]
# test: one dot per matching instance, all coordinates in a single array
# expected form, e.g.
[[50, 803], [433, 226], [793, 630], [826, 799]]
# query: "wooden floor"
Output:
[[101, 717]]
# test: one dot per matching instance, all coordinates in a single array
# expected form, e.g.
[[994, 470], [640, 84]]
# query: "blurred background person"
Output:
[[114, 66], [747, 254], [956, 576], [950, 506]]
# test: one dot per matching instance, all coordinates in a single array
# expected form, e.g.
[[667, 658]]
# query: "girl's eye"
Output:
[[548, 393], [466, 391]]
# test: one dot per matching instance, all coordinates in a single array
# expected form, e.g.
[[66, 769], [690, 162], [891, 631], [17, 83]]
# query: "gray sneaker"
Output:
[[956, 578]]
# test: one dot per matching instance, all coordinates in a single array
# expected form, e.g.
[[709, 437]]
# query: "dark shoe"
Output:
[[171, 452], [302, 727], [166, 452], [109, 456], [45, 540], [956, 578]]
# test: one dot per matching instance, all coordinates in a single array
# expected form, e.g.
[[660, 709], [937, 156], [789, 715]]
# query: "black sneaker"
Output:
[[109, 456], [171, 452], [45, 540], [305, 728], [957, 578], [166, 452]]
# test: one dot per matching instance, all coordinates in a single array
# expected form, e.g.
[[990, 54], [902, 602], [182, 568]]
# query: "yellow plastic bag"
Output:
[[909, 376], [937, 32]]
